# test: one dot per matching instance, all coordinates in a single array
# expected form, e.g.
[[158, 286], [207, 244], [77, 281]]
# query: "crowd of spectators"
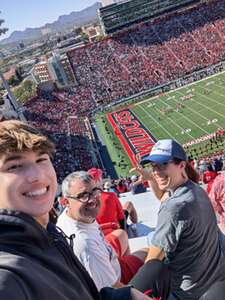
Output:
[[138, 59], [63, 119], [151, 53], [207, 167]]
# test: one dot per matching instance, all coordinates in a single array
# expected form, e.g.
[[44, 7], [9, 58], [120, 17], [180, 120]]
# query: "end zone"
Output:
[[135, 138]]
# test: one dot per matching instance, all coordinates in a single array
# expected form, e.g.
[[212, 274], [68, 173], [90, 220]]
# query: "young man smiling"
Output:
[[35, 259]]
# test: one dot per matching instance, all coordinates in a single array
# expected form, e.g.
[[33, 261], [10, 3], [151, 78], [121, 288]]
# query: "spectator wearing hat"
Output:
[[186, 237], [137, 186], [109, 187]]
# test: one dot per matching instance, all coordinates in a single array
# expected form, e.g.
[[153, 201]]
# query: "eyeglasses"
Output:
[[86, 196]]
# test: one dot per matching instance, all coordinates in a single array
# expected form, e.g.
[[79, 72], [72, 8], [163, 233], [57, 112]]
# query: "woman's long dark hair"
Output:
[[192, 174]]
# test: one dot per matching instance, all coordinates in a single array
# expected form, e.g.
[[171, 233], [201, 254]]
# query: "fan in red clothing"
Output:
[[112, 216], [208, 177], [121, 186]]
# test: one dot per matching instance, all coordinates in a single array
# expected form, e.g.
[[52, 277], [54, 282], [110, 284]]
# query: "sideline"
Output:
[[181, 87]]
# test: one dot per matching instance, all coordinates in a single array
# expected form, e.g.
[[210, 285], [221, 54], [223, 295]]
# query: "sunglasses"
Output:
[[86, 196]]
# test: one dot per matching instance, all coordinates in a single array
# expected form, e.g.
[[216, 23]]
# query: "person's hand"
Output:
[[136, 295], [145, 174]]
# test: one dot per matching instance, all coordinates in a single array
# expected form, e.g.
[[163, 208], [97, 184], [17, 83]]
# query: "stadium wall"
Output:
[[188, 79]]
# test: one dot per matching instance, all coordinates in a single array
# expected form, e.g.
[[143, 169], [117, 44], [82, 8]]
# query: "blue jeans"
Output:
[[149, 238]]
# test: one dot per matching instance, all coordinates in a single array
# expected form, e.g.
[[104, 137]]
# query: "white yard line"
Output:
[[192, 111], [195, 112], [189, 120], [212, 110], [219, 86], [156, 121], [211, 100], [177, 125], [177, 119], [187, 85], [222, 96]]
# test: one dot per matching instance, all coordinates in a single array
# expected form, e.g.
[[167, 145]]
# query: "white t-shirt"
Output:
[[93, 251]]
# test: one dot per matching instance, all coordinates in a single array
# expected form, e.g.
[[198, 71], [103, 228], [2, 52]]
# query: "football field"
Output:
[[187, 113]]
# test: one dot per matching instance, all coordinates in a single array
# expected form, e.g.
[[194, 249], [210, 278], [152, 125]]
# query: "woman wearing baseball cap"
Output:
[[186, 237]]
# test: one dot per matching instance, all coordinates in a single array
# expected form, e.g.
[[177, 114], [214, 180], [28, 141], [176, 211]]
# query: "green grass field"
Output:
[[202, 114], [115, 150]]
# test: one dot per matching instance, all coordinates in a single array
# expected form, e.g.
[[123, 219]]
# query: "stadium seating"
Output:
[[57, 117], [151, 53], [148, 55]]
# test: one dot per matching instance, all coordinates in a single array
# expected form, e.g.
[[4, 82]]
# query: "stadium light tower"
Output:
[[12, 99]]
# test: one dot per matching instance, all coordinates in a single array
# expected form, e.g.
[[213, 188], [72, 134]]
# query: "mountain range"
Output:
[[75, 18]]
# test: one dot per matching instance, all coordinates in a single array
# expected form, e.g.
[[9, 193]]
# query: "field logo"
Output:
[[135, 138]]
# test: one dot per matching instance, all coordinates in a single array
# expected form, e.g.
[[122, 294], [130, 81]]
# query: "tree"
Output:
[[2, 30], [12, 80], [99, 38], [25, 91], [85, 37]]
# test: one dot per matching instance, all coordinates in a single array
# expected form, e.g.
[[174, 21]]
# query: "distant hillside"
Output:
[[76, 18]]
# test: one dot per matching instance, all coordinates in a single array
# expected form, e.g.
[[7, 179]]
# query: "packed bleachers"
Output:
[[139, 59], [151, 53], [63, 120]]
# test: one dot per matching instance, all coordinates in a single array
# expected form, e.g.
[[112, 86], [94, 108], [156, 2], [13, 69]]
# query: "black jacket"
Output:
[[38, 264]]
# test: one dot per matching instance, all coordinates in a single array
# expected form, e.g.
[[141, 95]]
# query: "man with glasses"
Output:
[[82, 198]]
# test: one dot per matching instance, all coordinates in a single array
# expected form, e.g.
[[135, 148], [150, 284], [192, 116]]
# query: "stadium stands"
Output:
[[151, 54], [146, 56], [58, 117], [125, 13]]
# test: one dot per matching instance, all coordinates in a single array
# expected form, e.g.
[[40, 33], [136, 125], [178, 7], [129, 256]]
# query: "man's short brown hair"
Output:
[[17, 136]]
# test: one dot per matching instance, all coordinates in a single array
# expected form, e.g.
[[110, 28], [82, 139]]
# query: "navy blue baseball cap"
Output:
[[164, 151]]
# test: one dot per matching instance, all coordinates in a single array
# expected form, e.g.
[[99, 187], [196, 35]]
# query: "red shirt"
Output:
[[121, 188], [111, 209], [208, 178]]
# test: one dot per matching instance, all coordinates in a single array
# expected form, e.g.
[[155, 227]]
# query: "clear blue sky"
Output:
[[20, 14]]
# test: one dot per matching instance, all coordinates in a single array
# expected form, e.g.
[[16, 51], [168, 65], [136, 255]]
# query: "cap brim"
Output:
[[144, 160], [158, 159]]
